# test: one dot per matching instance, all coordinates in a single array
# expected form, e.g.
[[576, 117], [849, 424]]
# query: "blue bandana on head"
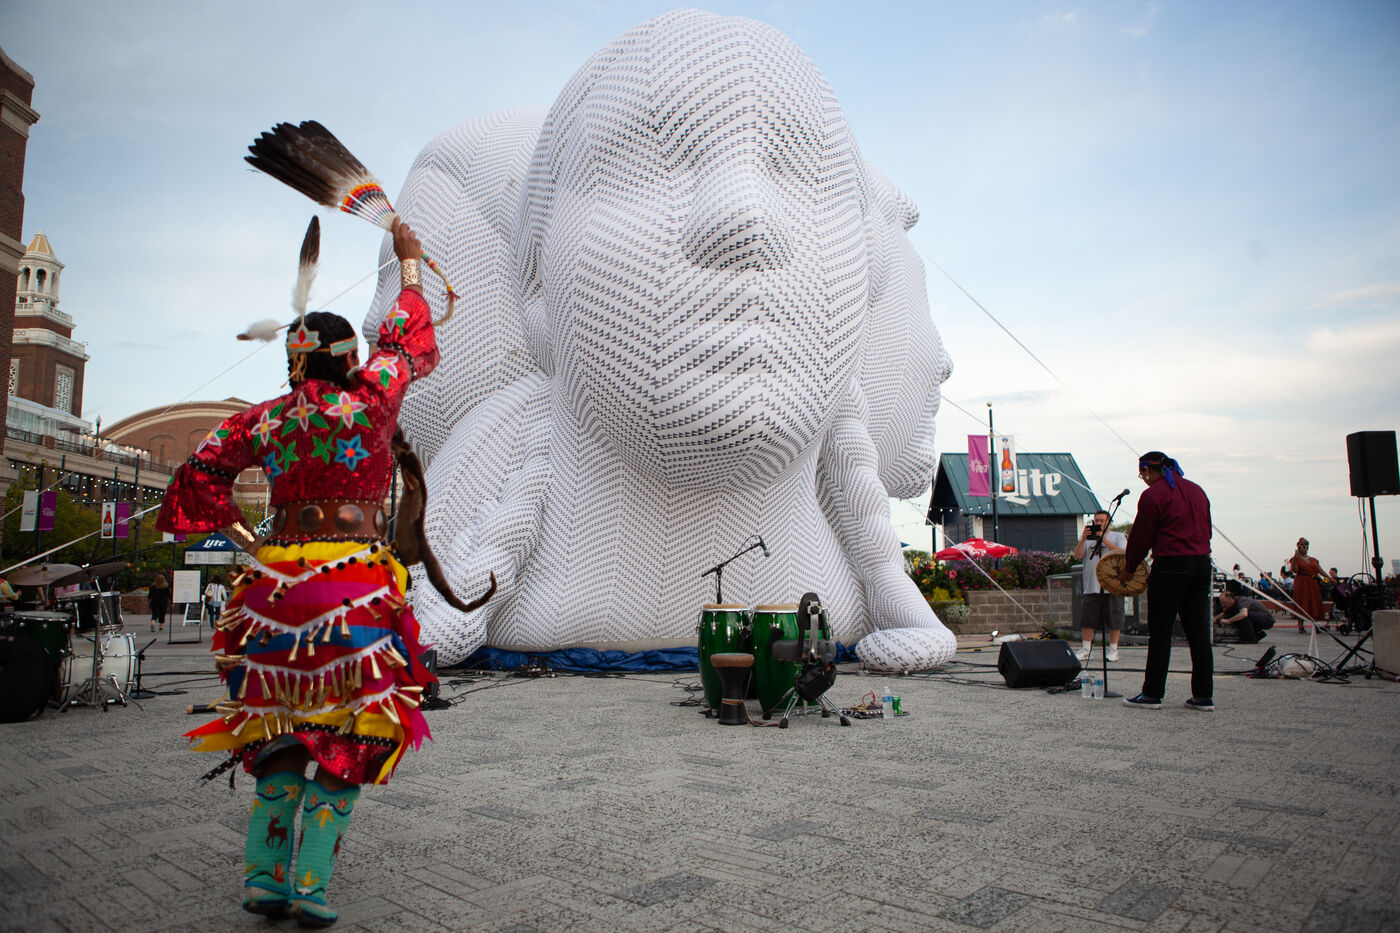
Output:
[[1160, 461]]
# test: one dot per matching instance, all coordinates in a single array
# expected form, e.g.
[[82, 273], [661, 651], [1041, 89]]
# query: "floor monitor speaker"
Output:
[[1039, 663]]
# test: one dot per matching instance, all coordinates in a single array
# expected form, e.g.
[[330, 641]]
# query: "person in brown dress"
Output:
[[1306, 592]]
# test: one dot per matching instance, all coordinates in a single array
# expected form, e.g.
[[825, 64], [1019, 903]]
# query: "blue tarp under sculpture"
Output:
[[591, 661]]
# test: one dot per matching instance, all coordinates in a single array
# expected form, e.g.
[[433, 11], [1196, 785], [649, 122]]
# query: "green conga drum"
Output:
[[724, 629], [775, 678]]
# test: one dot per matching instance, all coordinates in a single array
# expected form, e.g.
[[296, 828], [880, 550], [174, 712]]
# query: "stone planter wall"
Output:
[[992, 610]]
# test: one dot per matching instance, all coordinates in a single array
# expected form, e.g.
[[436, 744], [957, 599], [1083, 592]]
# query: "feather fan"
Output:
[[310, 159]]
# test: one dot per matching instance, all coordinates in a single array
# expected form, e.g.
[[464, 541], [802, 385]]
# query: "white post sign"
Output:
[[109, 520], [184, 586]]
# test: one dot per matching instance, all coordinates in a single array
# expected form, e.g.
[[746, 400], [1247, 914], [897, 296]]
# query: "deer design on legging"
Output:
[[275, 830]]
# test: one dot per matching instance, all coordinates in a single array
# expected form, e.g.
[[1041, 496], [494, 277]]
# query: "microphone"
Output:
[[1120, 495], [766, 552]]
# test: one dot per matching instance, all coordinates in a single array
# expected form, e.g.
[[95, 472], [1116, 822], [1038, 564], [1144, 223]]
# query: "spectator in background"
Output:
[[1251, 616], [214, 597], [159, 597]]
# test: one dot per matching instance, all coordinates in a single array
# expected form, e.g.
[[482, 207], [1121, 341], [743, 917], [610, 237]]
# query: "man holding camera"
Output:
[[1250, 615], [1097, 607]]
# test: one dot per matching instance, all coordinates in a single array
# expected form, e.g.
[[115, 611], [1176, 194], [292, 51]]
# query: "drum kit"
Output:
[[72, 651]]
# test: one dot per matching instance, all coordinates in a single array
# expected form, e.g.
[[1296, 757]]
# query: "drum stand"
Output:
[[817, 655]]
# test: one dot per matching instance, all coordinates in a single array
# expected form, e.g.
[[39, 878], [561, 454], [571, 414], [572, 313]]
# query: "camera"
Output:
[[1092, 531]]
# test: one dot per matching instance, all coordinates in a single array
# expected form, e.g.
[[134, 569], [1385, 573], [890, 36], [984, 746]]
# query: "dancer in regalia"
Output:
[[319, 651]]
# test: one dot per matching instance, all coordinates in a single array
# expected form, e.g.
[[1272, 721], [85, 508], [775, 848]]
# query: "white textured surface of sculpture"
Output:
[[701, 318]]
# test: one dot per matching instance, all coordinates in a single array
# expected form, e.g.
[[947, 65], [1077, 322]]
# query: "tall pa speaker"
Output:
[[1040, 663], [1372, 462]]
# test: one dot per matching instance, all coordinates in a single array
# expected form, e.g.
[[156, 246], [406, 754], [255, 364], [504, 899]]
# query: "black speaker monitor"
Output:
[[1040, 663], [1372, 462]]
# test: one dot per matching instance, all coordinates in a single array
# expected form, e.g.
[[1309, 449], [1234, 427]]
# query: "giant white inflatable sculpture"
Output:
[[690, 313]]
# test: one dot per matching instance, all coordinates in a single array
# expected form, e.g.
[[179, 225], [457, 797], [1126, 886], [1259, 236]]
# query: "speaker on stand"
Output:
[[1374, 471]]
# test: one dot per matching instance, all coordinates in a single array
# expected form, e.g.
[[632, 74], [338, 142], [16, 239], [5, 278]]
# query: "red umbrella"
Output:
[[975, 547]]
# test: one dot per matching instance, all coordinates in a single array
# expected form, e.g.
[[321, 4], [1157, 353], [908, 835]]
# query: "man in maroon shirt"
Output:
[[1173, 522]]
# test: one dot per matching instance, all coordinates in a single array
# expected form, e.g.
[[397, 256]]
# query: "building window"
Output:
[[63, 388], [14, 377]]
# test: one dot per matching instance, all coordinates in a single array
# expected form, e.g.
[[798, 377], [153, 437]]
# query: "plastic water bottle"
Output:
[[887, 703]]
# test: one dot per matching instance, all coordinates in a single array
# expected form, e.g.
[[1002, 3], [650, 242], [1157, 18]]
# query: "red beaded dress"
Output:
[[316, 644]]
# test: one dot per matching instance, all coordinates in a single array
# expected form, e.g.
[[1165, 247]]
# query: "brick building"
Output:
[[172, 433], [16, 117], [46, 363]]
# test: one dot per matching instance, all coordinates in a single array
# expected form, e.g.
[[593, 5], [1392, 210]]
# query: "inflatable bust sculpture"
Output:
[[690, 314]]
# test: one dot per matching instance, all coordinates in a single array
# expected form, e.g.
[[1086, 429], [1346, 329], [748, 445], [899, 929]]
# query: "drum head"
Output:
[[1107, 573], [26, 678]]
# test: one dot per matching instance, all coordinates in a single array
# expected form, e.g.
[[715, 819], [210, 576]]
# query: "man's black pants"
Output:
[[1179, 586]]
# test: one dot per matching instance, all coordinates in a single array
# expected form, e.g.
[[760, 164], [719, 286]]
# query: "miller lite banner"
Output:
[[109, 520], [1005, 453], [978, 466]]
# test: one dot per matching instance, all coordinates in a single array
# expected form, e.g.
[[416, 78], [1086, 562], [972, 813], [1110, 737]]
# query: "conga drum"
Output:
[[724, 629], [775, 678]]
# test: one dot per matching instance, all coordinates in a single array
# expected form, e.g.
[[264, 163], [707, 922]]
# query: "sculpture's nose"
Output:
[[737, 222]]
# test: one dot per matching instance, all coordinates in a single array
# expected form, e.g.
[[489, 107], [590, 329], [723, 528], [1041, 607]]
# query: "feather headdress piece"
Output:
[[310, 159]]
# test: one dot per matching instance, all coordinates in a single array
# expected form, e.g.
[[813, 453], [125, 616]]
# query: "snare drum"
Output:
[[118, 660], [724, 629], [775, 678]]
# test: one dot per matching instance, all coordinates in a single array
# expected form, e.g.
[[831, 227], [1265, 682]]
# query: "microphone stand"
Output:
[[718, 569], [140, 693], [1103, 603]]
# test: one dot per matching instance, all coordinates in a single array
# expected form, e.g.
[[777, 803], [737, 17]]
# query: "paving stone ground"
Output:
[[579, 803]]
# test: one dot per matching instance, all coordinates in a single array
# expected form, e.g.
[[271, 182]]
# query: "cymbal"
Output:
[[91, 572], [42, 575]]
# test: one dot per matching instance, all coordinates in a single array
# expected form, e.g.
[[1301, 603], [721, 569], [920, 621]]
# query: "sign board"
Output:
[[123, 528], [166, 537], [184, 586], [109, 520]]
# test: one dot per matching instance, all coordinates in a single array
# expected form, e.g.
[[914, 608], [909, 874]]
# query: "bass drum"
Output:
[[118, 660], [26, 677]]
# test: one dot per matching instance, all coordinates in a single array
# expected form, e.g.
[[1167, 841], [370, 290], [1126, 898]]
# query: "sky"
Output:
[[1188, 212]]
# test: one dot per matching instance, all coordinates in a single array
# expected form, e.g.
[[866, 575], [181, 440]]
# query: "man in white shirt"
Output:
[[1098, 606]]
